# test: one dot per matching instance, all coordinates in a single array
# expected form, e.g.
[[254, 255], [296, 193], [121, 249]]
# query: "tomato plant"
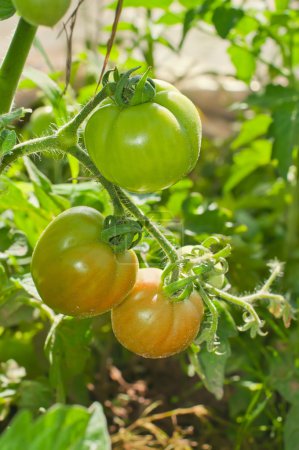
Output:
[[74, 271], [42, 12], [148, 146], [153, 325]]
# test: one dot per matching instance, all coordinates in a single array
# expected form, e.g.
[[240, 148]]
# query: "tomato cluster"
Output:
[[143, 147], [78, 274]]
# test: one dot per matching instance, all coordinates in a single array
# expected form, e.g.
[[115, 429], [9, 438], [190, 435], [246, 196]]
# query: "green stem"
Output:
[[119, 197], [80, 154], [168, 248], [73, 125], [13, 63], [27, 148], [243, 302]]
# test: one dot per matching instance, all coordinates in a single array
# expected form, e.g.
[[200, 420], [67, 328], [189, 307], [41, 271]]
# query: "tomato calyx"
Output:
[[129, 91], [121, 233]]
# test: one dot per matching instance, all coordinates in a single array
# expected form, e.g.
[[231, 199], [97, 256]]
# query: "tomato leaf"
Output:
[[61, 427], [244, 62], [252, 129], [225, 19], [6, 9], [8, 139]]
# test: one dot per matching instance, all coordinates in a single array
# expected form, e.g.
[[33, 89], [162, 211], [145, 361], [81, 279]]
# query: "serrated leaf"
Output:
[[6, 9]]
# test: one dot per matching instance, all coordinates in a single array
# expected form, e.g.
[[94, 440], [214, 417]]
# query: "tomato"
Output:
[[212, 277], [41, 121], [75, 272], [150, 324], [145, 147], [42, 12]]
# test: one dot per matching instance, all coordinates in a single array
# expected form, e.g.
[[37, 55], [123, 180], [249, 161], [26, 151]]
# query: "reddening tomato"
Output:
[[42, 12], [150, 324], [75, 272], [145, 147], [212, 277]]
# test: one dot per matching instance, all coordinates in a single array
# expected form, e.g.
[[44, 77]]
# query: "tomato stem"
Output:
[[164, 243], [13, 63]]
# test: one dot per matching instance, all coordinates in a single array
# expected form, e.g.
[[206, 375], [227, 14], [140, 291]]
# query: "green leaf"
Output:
[[285, 129], [291, 429], [9, 118], [225, 19], [60, 428], [8, 139], [211, 368], [281, 5], [252, 129], [67, 349], [48, 86], [190, 18], [243, 61], [163, 4], [247, 161], [6, 9], [74, 166], [273, 97]]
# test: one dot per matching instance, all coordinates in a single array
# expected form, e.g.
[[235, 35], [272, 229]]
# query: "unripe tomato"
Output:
[[75, 272], [145, 147], [42, 12], [41, 121], [150, 324], [213, 277]]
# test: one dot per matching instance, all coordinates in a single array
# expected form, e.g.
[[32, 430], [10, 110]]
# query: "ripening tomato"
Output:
[[145, 147], [213, 277], [75, 272], [42, 12], [151, 324]]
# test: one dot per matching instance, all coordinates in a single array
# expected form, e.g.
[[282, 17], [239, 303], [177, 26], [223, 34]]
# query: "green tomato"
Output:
[[41, 121], [42, 12], [145, 147]]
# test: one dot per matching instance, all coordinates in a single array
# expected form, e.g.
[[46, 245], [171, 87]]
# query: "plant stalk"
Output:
[[13, 63]]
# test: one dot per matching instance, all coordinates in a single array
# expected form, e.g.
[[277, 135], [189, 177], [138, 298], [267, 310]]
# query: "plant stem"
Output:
[[27, 148], [73, 125], [118, 196], [243, 302], [80, 154], [151, 227], [13, 63]]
